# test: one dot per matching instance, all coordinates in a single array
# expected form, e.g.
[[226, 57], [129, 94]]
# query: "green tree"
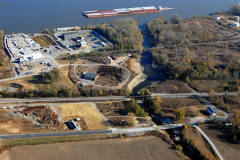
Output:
[[180, 114], [176, 19]]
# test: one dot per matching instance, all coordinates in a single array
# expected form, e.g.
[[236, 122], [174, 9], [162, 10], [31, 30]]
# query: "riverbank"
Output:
[[138, 68]]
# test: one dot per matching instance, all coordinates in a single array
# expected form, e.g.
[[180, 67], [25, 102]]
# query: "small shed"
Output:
[[211, 111], [91, 76], [73, 125]]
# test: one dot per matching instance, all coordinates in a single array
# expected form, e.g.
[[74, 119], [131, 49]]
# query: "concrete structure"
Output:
[[91, 76], [68, 28], [235, 24], [211, 111], [70, 35], [21, 46]]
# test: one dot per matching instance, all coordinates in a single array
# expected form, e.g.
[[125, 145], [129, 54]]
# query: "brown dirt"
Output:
[[109, 76], [11, 124], [134, 148], [5, 155], [222, 141], [44, 115], [112, 108]]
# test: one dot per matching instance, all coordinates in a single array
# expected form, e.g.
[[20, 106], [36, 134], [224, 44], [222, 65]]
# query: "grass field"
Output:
[[117, 149], [89, 113]]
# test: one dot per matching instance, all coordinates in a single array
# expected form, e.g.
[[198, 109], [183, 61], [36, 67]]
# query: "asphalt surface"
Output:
[[112, 130], [105, 98], [34, 135]]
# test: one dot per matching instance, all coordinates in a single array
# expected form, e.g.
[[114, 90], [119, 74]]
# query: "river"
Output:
[[31, 16]]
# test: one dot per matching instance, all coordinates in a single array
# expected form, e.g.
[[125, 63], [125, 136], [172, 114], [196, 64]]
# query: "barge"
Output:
[[123, 11]]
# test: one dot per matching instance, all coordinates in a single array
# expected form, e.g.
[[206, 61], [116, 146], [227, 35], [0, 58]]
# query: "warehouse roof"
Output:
[[91, 75]]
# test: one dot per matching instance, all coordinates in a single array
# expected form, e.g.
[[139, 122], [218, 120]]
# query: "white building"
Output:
[[22, 46], [235, 24], [31, 56], [216, 18]]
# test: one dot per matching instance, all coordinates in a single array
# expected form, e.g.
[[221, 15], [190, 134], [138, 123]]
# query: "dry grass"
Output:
[[44, 41], [24, 82], [222, 141], [199, 142], [172, 86], [89, 113], [64, 80], [117, 149], [218, 86]]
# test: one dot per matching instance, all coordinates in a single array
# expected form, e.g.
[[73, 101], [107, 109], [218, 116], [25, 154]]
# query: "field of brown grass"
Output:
[[172, 86], [86, 110], [118, 149], [199, 142], [222, 141]]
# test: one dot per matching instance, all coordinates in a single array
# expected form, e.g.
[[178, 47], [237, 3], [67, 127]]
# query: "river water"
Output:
[[30, 16]]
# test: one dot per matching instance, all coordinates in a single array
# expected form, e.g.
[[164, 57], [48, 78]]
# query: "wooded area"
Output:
[[124, 33]]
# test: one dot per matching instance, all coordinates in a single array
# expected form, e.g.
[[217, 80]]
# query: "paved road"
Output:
[[189, 95], [105, 98], [46, 100], [210, 142], [12, 136], [112, 130]]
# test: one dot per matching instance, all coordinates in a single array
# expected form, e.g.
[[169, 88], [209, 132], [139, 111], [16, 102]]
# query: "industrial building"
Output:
[[91, 76], [21, 46], [211, 111], [70, 35]]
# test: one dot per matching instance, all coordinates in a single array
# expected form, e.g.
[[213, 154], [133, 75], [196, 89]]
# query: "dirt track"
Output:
[[132, 148]]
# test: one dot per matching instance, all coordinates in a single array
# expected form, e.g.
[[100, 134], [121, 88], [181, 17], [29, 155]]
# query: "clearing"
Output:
[[222, 141], [75, 110], [117, 149]]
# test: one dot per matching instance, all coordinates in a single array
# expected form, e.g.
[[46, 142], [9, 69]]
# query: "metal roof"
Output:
[[91, 75]]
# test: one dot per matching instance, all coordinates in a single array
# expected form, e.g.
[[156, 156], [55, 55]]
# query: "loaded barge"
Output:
[[123, 11]]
